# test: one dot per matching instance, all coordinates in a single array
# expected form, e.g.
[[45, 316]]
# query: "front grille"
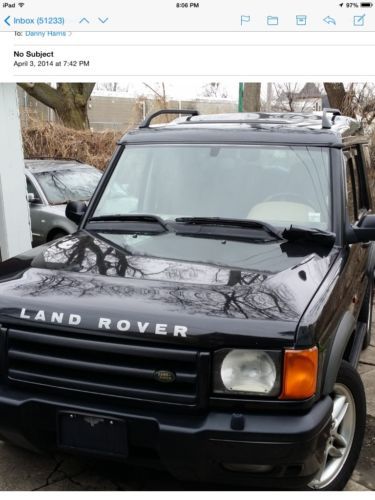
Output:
[[111, 367]]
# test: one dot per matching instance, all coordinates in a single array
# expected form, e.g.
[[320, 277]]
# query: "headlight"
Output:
[[247, 371]]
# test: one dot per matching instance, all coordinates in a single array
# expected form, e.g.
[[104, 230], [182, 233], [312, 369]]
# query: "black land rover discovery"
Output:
[[210, 311]]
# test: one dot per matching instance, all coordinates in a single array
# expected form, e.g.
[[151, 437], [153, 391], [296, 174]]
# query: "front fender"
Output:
[[60, 224], [336, 351]]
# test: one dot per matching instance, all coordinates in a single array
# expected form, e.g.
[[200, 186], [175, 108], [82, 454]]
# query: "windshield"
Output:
[[281, 185], [68, 184]]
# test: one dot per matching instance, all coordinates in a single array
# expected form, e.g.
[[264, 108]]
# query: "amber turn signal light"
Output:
[[300, 373]]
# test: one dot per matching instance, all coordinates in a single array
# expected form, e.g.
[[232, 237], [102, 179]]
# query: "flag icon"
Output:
[[244, 19]]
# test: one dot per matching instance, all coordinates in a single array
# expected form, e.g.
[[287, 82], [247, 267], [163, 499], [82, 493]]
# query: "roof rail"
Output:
[[259, 120], [326, 122], [147, 121]]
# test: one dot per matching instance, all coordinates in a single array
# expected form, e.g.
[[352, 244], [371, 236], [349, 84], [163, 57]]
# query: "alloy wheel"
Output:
[[340, 437]]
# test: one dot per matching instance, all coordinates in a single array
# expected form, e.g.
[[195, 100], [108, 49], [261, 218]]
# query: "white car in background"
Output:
[[51, 184]]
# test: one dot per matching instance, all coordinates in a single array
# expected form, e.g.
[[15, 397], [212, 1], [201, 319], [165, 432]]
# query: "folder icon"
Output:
[[272, 20]]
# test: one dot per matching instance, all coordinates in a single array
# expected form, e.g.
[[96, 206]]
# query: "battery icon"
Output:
[[366, 4]]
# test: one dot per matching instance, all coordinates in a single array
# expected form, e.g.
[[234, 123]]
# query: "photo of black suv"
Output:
[[209, 313]]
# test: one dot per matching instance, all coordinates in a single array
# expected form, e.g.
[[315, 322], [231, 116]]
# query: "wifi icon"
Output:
[[21, 5]]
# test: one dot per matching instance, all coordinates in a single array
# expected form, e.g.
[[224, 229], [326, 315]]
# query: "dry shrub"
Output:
[[55, 141]]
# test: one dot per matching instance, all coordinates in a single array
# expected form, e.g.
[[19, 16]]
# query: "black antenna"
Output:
[[147, 121]]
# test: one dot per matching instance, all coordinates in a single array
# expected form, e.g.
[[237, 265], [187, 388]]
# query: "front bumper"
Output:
[[191, 447]]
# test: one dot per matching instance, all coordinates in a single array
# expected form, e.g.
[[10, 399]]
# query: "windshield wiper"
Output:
[[142, 218], [221, 221], [305, 234]]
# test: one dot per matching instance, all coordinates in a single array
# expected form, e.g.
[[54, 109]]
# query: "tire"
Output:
[[56, 235], [365, 315], [336, 471]]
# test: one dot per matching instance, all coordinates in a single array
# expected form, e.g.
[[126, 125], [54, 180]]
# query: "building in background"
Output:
[[289, 98]]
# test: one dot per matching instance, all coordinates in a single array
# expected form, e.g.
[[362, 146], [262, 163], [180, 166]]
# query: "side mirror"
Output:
[[31, 198], [364, 232], [75, 210]]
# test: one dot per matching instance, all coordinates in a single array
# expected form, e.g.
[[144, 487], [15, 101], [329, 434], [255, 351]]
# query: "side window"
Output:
[[367, 156], [350, 190], [355, 185], [370, 170], [31, 188]]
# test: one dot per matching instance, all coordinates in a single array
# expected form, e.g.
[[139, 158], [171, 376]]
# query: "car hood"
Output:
[[91, 283]]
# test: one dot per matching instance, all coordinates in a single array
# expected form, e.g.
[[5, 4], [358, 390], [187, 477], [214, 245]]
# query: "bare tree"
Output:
[[109, 86], [355, 100], [336, 94], [251, 97], [340, 98], [159, 94], [114, 86], [289, 97], [362, 102], [285, 96], [68, 100], [214, 89], [160, 101]]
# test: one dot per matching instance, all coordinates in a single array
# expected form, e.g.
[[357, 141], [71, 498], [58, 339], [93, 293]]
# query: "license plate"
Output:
[[92, 433]]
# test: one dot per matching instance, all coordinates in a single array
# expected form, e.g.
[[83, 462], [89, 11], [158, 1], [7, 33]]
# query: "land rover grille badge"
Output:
[[164, 376]]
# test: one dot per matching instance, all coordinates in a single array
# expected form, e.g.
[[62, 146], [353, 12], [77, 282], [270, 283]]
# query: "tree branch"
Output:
[[43, 92]]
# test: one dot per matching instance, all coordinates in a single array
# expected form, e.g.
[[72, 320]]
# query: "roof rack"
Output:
[[256, 118], [147, 121], [326, 122], [259, 120]]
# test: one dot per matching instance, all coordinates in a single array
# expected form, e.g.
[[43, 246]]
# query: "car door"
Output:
[[358, 204], [36, 212]]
